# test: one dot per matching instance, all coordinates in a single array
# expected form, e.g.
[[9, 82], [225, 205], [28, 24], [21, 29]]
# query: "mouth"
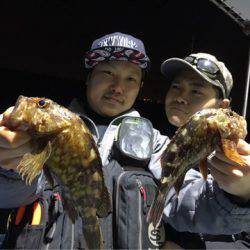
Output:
[[178, 109], [113, 99]]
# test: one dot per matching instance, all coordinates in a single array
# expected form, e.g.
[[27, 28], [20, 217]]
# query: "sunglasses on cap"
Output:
[[208, 67]]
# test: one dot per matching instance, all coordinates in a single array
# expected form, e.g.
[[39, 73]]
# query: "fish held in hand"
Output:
[[63, 142], [194, 142]]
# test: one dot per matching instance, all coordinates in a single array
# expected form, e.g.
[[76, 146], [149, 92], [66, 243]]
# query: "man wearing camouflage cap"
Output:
[[197, 82], [207, 79]]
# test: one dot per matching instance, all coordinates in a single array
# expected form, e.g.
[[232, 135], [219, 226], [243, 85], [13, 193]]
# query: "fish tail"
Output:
[[92, 233], [69, 206], [156, 210]]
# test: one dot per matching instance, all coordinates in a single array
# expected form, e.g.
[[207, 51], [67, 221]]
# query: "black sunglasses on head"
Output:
[[209, 68]]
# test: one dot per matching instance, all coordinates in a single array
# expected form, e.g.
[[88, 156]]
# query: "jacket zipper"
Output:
[[139, 214], [117, 194], [142, 197]]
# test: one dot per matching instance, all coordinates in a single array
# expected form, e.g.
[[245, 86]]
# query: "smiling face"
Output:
[[113, 86], [188, 94]]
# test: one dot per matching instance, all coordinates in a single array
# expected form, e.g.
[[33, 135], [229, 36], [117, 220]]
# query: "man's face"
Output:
[[113, 87], [188, 94]]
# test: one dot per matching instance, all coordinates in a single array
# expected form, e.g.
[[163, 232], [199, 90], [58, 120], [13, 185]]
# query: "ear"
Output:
[[225, 103]]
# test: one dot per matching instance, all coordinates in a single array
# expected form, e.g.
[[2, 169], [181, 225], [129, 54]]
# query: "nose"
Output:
[[117, 85], [181, 99]]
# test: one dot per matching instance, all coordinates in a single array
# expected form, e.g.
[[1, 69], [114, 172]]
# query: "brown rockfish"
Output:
[[64, 144], [203, 133]]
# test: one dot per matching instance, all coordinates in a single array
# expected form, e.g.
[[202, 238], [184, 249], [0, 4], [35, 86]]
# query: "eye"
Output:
[[107, 72], [175, 86], [197, 92], [132, 79], [42, 103]]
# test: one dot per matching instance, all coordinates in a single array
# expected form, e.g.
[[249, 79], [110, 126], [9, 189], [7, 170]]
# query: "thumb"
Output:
[[243, 147]]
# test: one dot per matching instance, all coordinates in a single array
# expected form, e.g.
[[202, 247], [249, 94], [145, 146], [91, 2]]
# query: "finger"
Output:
[[227, 168], [10, 163], [221, 156], [15, 152], [243, 147], [222, 179], [12, 139]]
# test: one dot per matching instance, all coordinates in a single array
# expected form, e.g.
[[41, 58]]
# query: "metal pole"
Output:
[[244, 110]]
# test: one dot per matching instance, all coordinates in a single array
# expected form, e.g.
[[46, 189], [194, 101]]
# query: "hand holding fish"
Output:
[[231, 177], [61, 141], [192, 143], [13, 144]]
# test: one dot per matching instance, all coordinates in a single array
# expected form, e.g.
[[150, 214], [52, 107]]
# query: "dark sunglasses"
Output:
[[208, 67]]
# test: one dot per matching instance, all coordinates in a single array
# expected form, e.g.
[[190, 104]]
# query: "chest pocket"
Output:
[[26, 226], [43, 225], [134, 194]]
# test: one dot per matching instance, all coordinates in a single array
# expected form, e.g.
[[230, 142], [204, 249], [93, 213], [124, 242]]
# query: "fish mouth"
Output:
[[18, 126], [16, 120]]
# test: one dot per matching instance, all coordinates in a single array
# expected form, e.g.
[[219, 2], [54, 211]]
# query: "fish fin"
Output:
[[70, 209], [105, 205], [178, 183], [91, 229], [156, 210], [49, 176], [32, 163], [203, 168], [69, 204], [229, 148]]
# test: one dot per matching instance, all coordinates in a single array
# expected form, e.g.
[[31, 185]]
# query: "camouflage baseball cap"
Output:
[[206, 65]]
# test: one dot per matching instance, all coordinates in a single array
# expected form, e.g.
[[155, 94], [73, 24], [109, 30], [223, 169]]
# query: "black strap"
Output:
[[132, 168], [225, 238]]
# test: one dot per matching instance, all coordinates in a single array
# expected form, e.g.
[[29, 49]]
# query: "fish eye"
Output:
[[42, 103]]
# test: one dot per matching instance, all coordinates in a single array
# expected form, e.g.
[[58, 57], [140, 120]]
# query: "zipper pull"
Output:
[[37, 214], [143, 194], [20, 214]]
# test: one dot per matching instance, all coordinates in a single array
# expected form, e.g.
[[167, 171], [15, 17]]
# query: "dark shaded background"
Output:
[[42, 43]]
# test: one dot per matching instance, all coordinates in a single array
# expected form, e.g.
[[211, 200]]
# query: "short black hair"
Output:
[[218, 92]]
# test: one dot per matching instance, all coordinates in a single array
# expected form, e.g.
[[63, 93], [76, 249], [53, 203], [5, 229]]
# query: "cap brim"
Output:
[[171, 67]]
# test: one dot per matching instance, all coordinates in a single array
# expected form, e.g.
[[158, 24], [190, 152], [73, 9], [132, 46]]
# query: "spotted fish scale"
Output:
[[64, 144], [193, 142]]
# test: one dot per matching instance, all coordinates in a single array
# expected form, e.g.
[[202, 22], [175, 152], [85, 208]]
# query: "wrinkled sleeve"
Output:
[[159, 145], [14, 192], [202, 207]]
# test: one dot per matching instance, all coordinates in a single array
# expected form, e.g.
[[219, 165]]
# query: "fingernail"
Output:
[[237, 172]]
